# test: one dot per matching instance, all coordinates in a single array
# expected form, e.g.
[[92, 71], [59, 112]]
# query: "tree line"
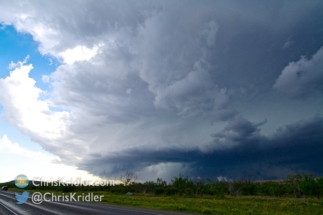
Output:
[[295, 185]]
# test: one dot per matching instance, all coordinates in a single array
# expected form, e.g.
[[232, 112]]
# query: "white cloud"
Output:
[[13, 65], [78, 53], [302, 78], [23, 107], [10, 147], [42, 164]]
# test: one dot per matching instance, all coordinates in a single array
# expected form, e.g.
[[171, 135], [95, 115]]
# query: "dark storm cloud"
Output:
[[167, 76], [237, 131], [297, 147], [249, 42]]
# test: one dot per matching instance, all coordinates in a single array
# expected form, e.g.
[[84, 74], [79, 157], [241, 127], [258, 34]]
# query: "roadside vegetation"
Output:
[[294, 186], [297, 194]]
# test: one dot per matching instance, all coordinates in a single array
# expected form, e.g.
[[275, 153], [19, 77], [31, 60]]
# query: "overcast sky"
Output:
[[159, 88]]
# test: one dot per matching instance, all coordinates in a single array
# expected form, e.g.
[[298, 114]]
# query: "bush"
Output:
[[66, 189], [308, 186], [159, 190], [171, 191], [183, 185], [248, 188], [117, 190], [319, 187], [271, 188], [217, 189]]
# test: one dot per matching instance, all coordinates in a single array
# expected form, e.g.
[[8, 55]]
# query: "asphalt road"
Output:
[[8, 206]]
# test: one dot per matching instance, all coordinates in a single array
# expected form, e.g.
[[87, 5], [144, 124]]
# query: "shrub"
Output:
[[308, 186], [171, 191], [159, 190]]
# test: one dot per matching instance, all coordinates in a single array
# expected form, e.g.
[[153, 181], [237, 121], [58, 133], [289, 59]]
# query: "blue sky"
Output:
[[15, 47], [225, 89]]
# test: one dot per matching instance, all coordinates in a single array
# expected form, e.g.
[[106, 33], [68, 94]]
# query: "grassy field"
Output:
[[227, 205], [249, 205]]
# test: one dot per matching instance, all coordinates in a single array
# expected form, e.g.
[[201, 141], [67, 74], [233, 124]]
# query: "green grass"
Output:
[[227, 205], [253, 205]]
